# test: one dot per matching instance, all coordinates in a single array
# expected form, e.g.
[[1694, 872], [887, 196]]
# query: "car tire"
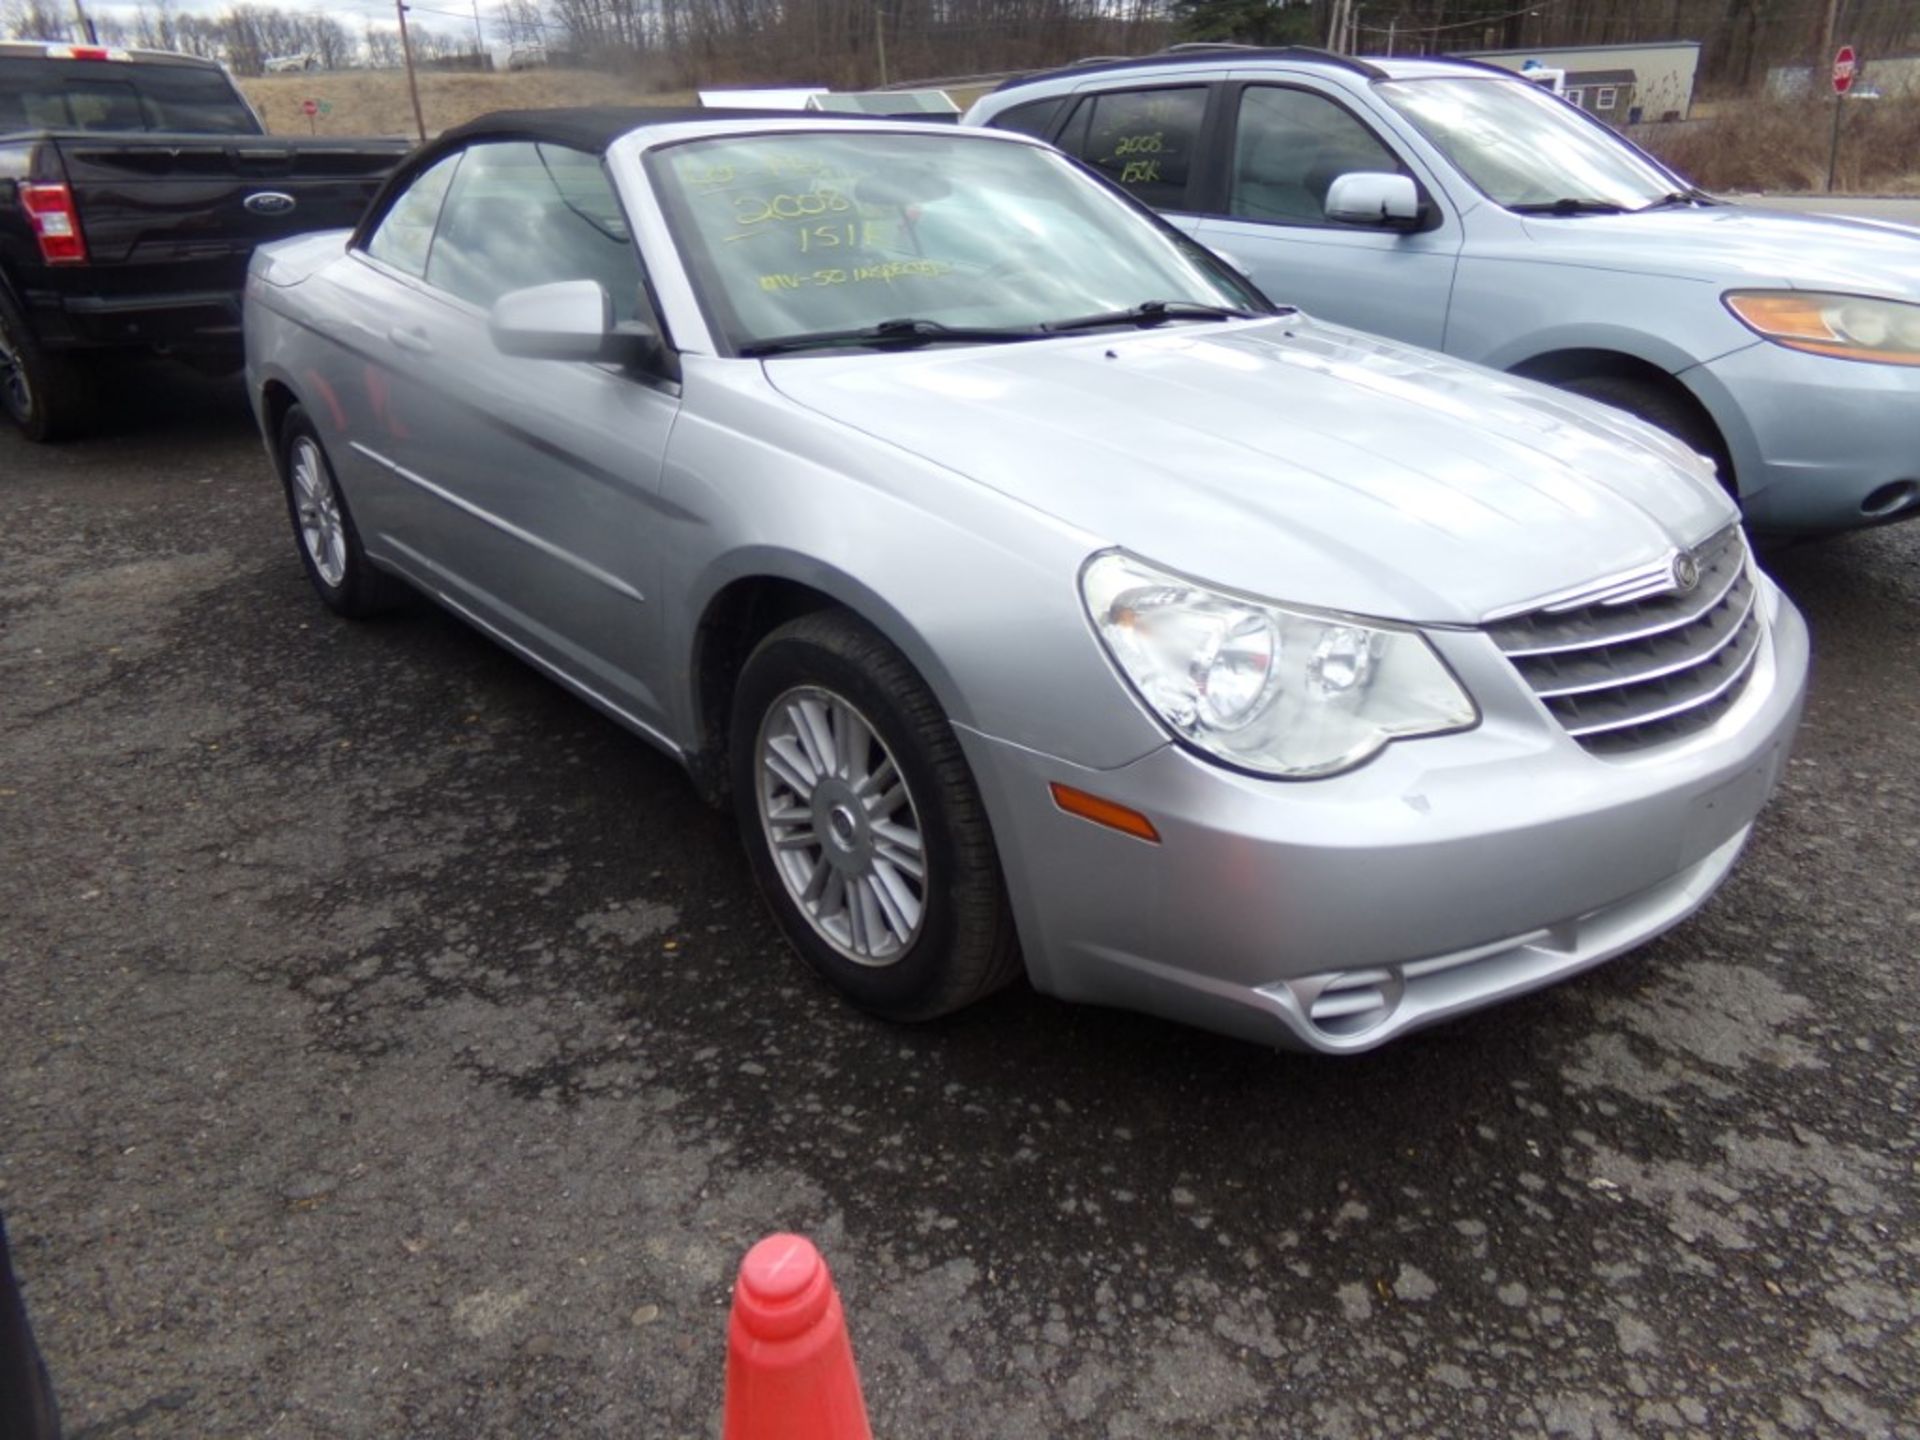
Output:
[[44, 392], [834, 833], [1660, 409], [323, 528]]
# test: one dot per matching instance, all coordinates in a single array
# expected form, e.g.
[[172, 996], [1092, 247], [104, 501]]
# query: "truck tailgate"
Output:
[[148, 199]]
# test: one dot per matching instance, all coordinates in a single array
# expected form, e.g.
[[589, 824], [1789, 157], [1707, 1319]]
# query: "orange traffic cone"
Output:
[[790, 1372]]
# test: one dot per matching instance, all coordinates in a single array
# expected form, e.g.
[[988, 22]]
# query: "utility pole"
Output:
[[413, 85], [86, 23], [880, 41], [1827, 24], [479, 40], [1337, 31]]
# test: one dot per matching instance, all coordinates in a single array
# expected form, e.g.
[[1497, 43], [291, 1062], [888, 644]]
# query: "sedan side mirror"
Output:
[[1368, 197], [568, 320]]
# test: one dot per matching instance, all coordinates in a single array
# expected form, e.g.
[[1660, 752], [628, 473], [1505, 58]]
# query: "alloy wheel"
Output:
[[323, 529], [841, 826]]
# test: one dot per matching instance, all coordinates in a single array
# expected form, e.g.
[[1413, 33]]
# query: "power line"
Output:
[[1533, 9]]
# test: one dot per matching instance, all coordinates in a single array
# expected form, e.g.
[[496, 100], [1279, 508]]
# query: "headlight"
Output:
[[1263, 687], [1851, 327]]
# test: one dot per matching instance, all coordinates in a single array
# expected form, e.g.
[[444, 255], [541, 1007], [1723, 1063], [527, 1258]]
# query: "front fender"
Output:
[[979, 590]]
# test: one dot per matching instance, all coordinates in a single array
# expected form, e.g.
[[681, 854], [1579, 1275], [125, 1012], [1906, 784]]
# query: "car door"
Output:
[[531, 485], [361, 387], [1283, 144]]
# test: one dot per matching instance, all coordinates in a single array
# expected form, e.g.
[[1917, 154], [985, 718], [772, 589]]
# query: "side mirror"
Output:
[[1368, 197], [568, 320]]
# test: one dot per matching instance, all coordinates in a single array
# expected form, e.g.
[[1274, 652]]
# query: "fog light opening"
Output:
[[1891, 498], [1355, 1002]]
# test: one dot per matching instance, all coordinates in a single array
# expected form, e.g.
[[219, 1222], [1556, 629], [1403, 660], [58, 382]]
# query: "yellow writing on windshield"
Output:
[[1141, 172], [1152, 144], [884, 273], [757, 209], [854, 235]]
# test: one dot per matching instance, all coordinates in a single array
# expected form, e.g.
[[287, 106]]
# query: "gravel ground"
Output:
[[389, 1046]]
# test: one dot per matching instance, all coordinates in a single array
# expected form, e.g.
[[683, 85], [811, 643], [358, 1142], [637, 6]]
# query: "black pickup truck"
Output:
[[134, 186]]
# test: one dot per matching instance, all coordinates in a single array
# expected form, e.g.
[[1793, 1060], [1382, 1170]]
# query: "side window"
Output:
[[522, 215], [405, 232], [1290, 146], [1034, 118], [1143, 140]]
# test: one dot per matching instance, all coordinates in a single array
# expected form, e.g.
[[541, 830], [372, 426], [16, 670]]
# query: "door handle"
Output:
[[414, 339]]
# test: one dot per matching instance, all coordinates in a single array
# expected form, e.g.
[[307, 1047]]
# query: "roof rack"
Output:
[[1475, 64], [1199, 49]]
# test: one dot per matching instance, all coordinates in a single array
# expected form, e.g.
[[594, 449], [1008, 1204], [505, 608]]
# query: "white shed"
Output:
[[1640, 82]]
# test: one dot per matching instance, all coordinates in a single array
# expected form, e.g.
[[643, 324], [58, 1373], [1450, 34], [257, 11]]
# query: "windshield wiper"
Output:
[[1149, 312], [1695, 196], [892, 333], [1568, 205]]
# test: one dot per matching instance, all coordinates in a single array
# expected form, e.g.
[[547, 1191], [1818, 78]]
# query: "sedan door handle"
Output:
[[415, 340]]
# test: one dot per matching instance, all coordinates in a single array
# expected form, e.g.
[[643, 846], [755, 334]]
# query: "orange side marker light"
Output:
[[1104, 812]]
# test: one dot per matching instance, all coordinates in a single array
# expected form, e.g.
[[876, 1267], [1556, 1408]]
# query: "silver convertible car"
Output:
[[1038, 595]]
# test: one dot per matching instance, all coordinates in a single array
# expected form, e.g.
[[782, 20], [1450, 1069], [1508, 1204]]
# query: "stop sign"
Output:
[[312, 107], [1843, 70]]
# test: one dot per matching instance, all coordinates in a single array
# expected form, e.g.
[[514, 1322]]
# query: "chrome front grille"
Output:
[[1624, 673]]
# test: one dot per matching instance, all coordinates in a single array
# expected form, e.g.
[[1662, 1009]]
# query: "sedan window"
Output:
[[406, 231], [1291, 146], [522, 215], [1522, 147]]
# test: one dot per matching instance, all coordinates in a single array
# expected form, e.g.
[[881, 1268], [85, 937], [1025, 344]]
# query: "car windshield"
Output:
[[1524, 148], [815, 233]]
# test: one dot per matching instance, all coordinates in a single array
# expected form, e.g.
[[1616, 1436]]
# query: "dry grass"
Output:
[[374, 102], [1782, 145]]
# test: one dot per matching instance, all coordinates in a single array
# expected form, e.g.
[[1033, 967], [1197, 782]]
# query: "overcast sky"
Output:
[[354, 14]]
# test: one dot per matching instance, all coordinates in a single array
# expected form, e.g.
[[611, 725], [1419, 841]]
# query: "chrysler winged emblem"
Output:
[[1686, 573]]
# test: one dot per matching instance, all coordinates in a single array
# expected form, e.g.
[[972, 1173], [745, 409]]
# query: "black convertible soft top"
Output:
[[592, 128]]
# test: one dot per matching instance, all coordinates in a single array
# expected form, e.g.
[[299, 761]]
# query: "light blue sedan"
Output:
[[1462, 208]]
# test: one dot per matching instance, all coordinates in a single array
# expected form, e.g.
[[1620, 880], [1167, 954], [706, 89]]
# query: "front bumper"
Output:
[[1818, 444], [1445, 875]]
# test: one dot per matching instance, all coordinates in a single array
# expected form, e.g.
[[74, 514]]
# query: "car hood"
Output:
[[1291, 459], [1740, 245]]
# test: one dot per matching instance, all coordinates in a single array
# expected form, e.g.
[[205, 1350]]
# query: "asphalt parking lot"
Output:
[[389, 1046]]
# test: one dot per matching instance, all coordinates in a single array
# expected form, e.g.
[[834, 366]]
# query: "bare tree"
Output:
[[383, 47], [327, 38], [35, 20]]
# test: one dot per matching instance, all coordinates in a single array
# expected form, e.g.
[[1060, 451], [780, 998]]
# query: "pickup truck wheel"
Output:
[[323, 527], [866, 832], [45, 394]]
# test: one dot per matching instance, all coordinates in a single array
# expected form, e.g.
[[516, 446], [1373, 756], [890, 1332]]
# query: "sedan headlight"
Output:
[[1850, 327], [1262, 686]]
